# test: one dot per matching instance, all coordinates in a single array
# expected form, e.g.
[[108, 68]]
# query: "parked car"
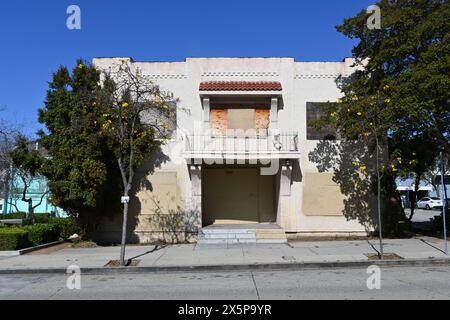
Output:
[[429, 203]]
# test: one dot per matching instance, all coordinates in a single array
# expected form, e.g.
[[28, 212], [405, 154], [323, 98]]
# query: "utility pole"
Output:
[[444, 202]]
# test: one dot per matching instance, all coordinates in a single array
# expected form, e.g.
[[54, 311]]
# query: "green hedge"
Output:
[[39, 217], [13, 216], [13, 239], [42, 233], [16, 238], [66, 227]]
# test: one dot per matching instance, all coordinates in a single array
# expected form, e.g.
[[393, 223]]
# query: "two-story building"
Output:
[[238, 167]]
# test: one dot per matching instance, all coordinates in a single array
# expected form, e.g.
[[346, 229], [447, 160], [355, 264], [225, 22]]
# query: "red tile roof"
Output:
[[240, 86]]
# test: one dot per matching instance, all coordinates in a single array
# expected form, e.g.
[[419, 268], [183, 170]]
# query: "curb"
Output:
[[240, 267], [29, 250]]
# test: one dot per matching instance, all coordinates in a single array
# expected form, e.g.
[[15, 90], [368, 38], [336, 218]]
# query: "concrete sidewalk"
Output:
[[192, 257]]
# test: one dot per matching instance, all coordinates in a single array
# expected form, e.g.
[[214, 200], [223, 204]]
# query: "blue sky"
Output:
[[34, 39]]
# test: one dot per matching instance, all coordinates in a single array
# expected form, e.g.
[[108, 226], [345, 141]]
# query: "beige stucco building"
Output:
[[241, 151]]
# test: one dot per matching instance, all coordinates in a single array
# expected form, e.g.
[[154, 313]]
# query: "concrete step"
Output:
[[239, 241], [226, 241], [234, 231], [228, 236], [270, 235], [232, 235]]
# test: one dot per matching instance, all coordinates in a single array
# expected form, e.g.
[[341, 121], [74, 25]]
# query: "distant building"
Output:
[[406, 186], [37, 190]]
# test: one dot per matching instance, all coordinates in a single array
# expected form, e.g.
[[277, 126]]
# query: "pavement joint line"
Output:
[[297, 266], [256, 287]]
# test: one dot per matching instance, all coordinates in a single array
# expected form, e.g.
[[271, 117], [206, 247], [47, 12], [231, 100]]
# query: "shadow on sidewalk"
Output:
[[429, 244], [155, 249]]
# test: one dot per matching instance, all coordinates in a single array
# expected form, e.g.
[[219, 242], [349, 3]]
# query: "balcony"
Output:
[[251, 147]]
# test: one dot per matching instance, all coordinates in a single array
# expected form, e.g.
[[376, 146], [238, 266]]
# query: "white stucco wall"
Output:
[[302, 82]]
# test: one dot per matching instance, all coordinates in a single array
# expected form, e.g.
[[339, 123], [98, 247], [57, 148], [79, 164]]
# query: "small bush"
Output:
[[66, 227], [39, 234], [13, 239]]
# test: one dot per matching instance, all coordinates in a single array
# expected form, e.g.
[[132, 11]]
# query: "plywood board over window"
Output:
[[241, 119], [219, 121], [262, 121], [322, 196], [224, 120]]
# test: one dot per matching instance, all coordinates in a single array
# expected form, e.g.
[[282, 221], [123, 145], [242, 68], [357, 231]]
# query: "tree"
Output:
[[6, 146], [20, 166], [397, 99], [409, 54], [432, 174], [81, 169], [364, 115], [414, 156], [26, 165], [137, 120], [8, 136]]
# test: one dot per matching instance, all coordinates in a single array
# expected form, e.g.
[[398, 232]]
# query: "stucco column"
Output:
[[196, 201], [274, 113], [206, 113], [284, 202]]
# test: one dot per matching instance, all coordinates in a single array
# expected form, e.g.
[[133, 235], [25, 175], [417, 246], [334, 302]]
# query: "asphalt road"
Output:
[[396, 283]]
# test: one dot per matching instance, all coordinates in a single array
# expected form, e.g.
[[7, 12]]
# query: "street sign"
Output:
[[125, 199]]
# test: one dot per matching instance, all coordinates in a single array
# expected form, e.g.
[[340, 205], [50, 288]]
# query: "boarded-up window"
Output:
[[314, 113], [322, 196], [244, 119], [241, 119], [262, 121], [219, 119]]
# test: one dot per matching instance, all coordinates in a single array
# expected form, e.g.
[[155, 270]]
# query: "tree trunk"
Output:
[[124, 234], [31, 215], [413, 200]]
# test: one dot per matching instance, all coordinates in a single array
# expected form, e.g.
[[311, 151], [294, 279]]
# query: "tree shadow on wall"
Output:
[[344, 157], [143, 176], [174, 225], [110, 229]]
